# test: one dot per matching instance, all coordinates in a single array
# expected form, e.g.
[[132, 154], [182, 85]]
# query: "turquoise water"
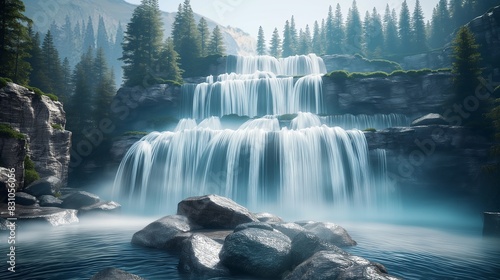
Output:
[[412, 252]]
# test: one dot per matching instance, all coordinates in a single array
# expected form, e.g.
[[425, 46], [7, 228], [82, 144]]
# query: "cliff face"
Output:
[[486, 29], [43, 121], [411, 95]]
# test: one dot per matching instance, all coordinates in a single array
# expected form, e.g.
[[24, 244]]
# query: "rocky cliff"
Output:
[[42, 121], [413, 95]]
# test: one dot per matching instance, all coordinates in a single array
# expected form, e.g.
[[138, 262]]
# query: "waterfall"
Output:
[[304, 160], [256, 163]]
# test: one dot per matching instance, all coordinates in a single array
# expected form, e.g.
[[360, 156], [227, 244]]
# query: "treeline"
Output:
[[376, 36], [149, 59]]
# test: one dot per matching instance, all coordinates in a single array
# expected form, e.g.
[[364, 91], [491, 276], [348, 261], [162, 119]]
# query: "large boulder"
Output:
[[79, 199], [257, 252], [45, 186], [25, 199], [49, 201], [430, 119], [259, 225], [306, 244], [115, 274], [331, 233], [333, 265], [166, 233], [41, 215], [268, 218], [289, 229], [200, 257], [214, 212]]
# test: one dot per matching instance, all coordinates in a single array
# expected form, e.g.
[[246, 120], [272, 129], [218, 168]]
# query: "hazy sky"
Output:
[[249, 14]]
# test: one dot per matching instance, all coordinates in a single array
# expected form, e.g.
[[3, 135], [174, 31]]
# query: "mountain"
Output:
[[115, 12]]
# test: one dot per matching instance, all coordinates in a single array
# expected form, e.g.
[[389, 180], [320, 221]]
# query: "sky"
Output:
[[248, 15]]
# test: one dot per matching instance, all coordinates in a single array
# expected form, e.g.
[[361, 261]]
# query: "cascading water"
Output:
[[378, 121], [310, 160]]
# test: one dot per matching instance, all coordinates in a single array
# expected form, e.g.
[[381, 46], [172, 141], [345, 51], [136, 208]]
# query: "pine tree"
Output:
[[419, 41], [117, 64], [89, 37], [51, 66], [14, 42], [466, 67], [405, 29], [103, 39], [169, 63], [330, 32], [391, 38], [37, 76], [456, 13], [374, 34], [142, 44], [204, 36], [66, 85], [275, 49], [440, 25], [287, 48], [187, 38], [216, 46], [338, 31], [294, 36], [261, 42], [66, 49], [305, 41], [354, 30], [317, 47], [104, 87]]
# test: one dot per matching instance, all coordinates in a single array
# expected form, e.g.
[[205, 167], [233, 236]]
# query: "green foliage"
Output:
[[261, 42], [204, 36], [4, 81], [354, 30], [52, 96], [168, 64], [378, 74], [405, 32], [57, 126], [216, 46], [419, 36], [344, 75], [14, 41], [186, 37], [40, 93], [370, 130], [135, 133], [30, 174], [7, 131], [275, 49]]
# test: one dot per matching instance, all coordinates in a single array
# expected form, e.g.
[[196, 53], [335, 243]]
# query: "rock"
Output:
[[50, 201], [3, 224], [43, 121], [12, 152], [25, 199], [366, 272], [331, 233], [491, 224], [166, 233], [200, 256], [102, 207], [115, 274], [214, 212], [430, 119], [306, 244], [79, 199], [357, 63], [257, 252], [268, 218], [43, 215], [217, 235], [258, 225], [45, 186], [289, 229], [325, 265]]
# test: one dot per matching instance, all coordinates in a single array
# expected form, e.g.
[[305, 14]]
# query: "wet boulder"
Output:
[[115, 274], [102, 207], [79, 199], [306, 244], [200, 257], [258, 225], [430, 119], [331, 233], [257, 252], [289, 229], [49, 201], [214, 212], [25, 199], [373, 271], [44, 186], [166, 233], [268, 218]]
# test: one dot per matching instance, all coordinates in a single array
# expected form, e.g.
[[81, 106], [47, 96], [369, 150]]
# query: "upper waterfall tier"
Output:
[[299, 65]]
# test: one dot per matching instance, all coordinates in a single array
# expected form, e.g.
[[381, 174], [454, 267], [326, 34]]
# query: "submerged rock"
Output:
[[25, 199], [200, 256], [45, 186], [101, 207], [257, 252], [79, 199], [165, 233], [331, 233], [214, 212], [334, 265], [45, 215], [115, 274], [50, 201]]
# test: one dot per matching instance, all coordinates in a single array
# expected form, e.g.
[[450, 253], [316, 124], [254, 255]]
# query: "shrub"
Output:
[[30, 174], [52, 96], [57, 126], [4, 81], [39, 93], [7, 131], [341, 75]]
